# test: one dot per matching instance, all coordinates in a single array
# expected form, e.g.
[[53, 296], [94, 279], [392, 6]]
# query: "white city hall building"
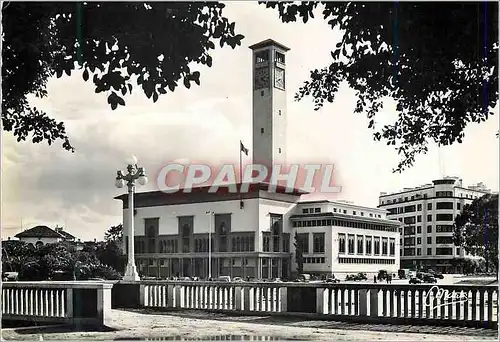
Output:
[[256, 239], [427, 213], [172, 234]]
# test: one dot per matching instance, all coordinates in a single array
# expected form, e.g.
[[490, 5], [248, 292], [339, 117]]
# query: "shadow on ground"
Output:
[[63, 328], [300, 322]]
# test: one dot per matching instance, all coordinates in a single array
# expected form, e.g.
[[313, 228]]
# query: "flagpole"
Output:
[[241, 177]]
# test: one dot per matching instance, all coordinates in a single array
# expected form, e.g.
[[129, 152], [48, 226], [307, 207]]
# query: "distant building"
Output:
[[41, 235], [428, 213]]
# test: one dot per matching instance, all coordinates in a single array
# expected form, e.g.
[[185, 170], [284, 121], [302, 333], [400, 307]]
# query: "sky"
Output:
[[45, 185]]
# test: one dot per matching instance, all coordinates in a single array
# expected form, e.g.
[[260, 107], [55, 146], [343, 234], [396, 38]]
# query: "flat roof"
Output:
[[268, 42], [350, 205], [203, 194]]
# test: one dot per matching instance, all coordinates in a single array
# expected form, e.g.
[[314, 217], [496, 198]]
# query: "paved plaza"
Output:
[[149, 325]]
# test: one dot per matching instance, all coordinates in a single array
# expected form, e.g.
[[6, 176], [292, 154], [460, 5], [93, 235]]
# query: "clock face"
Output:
[[279, 78], [261, 78]]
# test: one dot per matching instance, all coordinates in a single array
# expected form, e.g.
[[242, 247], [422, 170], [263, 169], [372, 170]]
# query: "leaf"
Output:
[[155, 96], [187, 84], [85, 75]]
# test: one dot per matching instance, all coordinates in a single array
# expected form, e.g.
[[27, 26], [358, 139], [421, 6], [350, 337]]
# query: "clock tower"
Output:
[[269, 103]]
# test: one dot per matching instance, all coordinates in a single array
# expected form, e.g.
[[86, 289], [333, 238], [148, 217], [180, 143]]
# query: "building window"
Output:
[[276, 224], [444, 251], [280, 58], [392, 246], [419, 207], [354, 212], [223, 228], [368, 240], [262, 131], [345, 211], [444, 240], [305, 211], [350, 244], [458, 206], [419, 218], [444, 205], [377, 246], [266, 239], [318, 242], [429, 218], [444, 217], [360, 244], [429, 251], [385, 248], [317, 210], [279, 112], [419, 241], [429, 240], [279, 149], [286, 243], [342, 243], [429, 206], [262, 93], [419, 251], [429, 229], [303, 241]]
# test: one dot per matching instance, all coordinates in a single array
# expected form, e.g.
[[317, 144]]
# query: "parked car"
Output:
[[9, 276], [436, 274], [332, 279], [224, 279], [415, 280], [238, 280], [382, 275], [356, 277], [303, 278], [403, 273], [428, 278]]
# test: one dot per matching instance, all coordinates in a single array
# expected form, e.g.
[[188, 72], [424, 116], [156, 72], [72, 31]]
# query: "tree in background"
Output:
[[437, 60], [299, 253], [117, 46], [110, 252], [476, 229]]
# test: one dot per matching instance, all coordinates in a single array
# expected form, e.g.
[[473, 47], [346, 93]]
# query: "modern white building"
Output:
[[342, 238], [428, 213], [172, 231]]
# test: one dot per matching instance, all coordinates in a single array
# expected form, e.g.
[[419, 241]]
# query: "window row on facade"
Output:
[[344, 223], [362, 245], [342, 211], [440, 240], [318, 243], [367, 261], [418, 196], [441, 251], [418, 207], [412, 230]]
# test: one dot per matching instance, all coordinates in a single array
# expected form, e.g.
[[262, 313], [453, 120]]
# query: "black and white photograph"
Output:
[[249, 171]]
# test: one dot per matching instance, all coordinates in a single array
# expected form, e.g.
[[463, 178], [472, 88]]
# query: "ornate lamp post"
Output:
[[133, 173], [210, 218]]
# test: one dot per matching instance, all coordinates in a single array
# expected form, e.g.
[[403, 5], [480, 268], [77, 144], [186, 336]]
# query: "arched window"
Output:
[[39, 243]]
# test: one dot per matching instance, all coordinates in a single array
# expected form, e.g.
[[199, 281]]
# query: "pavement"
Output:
[[190, 325]]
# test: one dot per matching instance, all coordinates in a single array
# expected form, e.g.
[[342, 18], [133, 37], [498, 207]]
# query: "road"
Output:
[[189, 325]]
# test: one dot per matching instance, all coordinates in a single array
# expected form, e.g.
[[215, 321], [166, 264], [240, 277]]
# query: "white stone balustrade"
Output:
[[462, 305], [57, 302]]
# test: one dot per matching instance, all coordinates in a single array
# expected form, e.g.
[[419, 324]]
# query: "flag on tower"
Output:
[[243, 148]]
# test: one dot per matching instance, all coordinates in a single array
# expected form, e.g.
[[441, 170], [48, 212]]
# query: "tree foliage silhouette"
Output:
[[476, 229], [117, 46], [437, 60]]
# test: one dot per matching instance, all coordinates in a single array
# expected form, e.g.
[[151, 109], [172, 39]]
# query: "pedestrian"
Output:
[[389, 278], [375, 279]]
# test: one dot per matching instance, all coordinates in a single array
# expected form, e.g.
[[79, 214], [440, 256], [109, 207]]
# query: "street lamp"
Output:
[[211, 214], [133, 173]]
